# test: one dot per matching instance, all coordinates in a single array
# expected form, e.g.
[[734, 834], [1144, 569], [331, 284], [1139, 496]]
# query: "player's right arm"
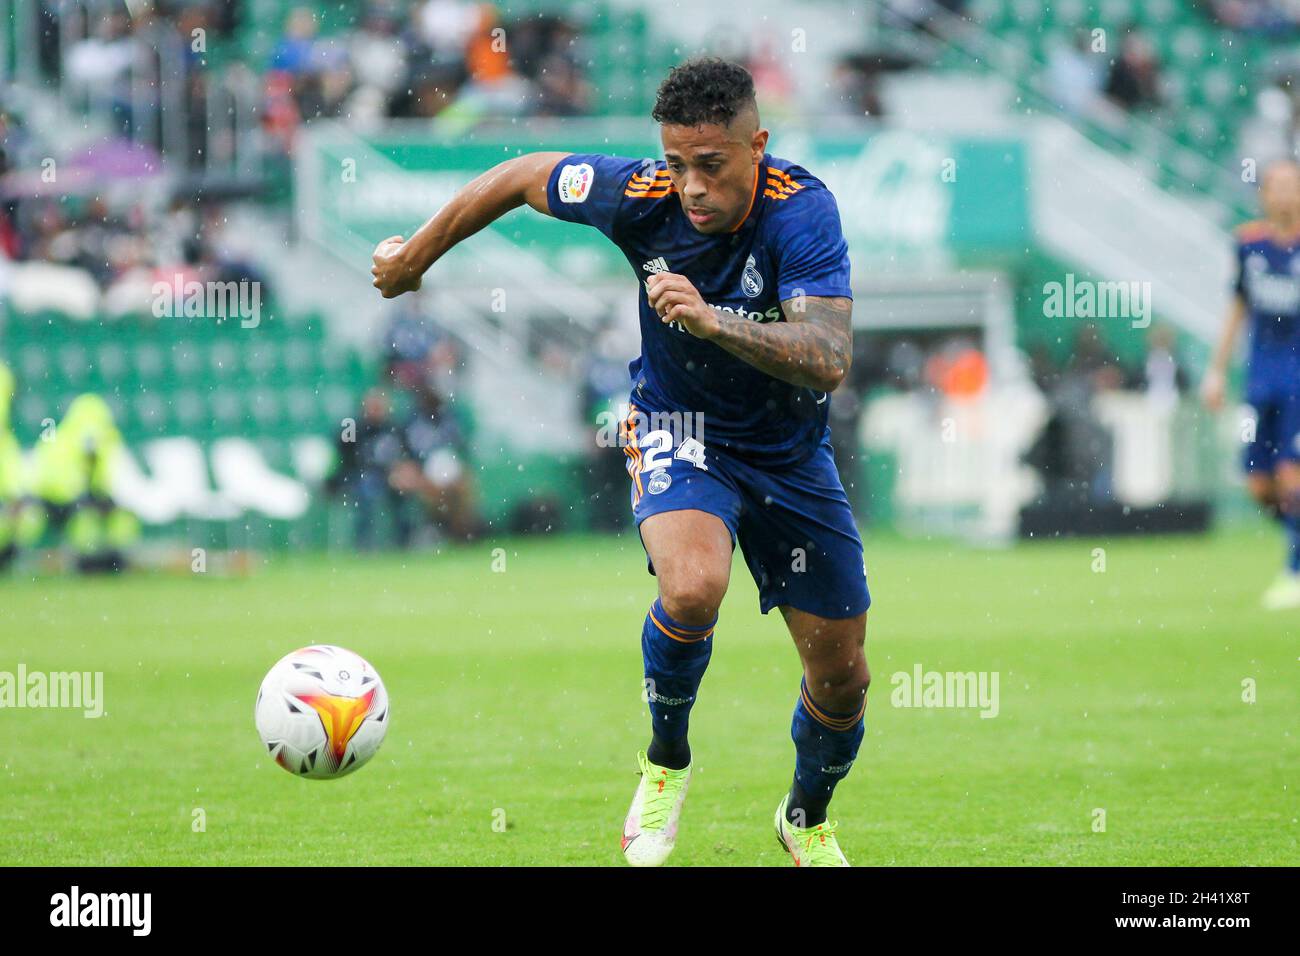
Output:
[[399, 264], [1214, 384]]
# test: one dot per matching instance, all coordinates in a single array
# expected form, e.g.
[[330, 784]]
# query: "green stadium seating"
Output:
[[1209, 74], [185, 376]]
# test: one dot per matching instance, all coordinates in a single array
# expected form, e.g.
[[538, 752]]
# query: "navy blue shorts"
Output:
[[794, 525], [1277, 434]]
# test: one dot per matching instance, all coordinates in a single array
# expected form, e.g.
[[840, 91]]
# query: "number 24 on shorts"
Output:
[[658, 444]]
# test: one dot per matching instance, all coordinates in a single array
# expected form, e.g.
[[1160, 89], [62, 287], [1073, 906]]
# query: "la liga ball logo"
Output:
[[575, 182]]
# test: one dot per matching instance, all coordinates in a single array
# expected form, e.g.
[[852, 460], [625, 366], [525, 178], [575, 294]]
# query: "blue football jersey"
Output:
[[789, 244], [1268, 281]]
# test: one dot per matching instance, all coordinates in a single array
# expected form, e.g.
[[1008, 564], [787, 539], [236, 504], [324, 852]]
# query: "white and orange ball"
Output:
[[322, 712]]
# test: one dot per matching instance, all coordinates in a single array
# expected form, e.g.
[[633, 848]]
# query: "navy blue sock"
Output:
[[825, 745], [675, 657]]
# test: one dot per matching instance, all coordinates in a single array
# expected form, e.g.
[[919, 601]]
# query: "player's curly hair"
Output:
[[704, 90]]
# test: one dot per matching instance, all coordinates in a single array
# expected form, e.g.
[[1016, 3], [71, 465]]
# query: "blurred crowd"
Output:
[[1087, 81], [1104, 79], [88, 256], [381, 59], [89, 233], [437, 58], [97, 217]]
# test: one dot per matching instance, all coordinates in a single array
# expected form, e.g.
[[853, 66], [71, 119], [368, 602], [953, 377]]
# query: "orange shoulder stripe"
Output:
[[656, 193], [785, 177]]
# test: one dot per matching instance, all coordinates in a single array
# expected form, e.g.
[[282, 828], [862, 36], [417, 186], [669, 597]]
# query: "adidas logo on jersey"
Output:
[[657, 264]]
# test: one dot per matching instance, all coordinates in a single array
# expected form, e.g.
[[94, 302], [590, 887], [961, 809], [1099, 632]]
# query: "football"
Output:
[[322, 712]]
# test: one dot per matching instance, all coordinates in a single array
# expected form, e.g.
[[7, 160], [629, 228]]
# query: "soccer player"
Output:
[[745, 328], [1267, 298]]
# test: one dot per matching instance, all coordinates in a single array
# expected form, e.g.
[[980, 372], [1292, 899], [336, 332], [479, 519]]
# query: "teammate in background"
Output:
[[1267, 299], [745, 325]]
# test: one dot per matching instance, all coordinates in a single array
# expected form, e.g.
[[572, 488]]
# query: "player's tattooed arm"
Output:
[[399, 264], [813, 347]]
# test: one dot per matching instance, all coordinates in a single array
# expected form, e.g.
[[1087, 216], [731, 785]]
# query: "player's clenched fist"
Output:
[[393, 273], [676, 300]]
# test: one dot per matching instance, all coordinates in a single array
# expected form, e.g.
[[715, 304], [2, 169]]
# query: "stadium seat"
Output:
[[33, 366], [179, 469], [244, 477], [74, 364], [111, 362], [148, 359]]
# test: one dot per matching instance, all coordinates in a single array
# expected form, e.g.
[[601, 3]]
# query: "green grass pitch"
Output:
[[516, 699]]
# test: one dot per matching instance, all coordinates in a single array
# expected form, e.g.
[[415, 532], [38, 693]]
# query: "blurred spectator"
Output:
[[419, 354], [435, 470], [72, 489], [1074, 454], [1273, 18], [772, 80], [555, 67], [366, 459], [424, 362], [958, 369], [493, 87], [446, 26], [602, 403], [1163, 376], [1075, 74], [855, 86], [847, 407], [99, 63], [1092, 367], [920, 14], [1134, 79], [295, 51], [378, 54], [1268, 134]]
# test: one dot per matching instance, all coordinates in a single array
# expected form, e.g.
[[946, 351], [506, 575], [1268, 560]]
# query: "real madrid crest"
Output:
[[750, 281], [659, 482]]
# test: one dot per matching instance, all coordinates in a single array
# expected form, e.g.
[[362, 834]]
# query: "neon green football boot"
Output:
[[650, 830], [808, 846]]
